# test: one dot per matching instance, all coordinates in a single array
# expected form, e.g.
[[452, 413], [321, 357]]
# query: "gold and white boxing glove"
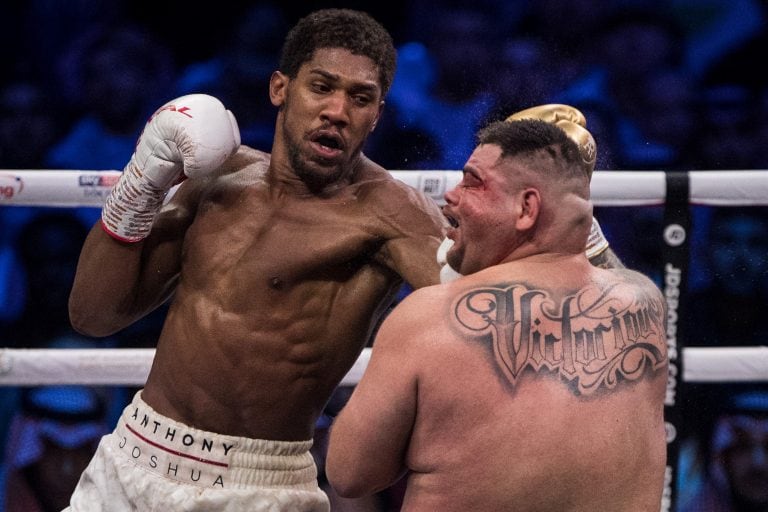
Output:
[[574, 124]]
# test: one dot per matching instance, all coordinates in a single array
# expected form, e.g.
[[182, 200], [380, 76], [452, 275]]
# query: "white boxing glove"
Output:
[[447, 274], [193, 134]]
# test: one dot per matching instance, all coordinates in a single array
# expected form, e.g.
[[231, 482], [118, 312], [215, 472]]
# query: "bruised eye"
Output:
[[470, 180]]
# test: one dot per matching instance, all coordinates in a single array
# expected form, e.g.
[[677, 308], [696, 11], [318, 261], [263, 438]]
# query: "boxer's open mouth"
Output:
[[328, 142]]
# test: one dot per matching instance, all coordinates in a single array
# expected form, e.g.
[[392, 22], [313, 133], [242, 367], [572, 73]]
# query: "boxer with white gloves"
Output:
[[188, 137], [276, 267], [574, 124]]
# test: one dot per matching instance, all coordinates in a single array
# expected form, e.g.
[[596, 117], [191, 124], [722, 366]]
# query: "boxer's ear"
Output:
[[378, 116], [278, 84], [528, 208]]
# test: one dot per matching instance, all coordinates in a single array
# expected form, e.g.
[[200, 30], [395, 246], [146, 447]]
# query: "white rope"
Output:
[[62, 188], [94, 366], [130, 367], [725, 364]]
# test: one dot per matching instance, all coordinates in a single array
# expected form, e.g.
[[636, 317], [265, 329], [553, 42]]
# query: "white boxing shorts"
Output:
[[151, 463]]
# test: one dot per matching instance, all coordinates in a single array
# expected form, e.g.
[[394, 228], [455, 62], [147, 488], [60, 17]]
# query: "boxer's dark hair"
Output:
[[353, 30], [527, 136]]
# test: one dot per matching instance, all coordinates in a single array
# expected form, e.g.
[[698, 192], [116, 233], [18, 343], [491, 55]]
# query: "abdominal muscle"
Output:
[[264, 368], [276, 299]]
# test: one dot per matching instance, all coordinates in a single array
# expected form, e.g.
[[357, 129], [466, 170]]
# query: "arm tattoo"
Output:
[[593, 338], [606, 259]]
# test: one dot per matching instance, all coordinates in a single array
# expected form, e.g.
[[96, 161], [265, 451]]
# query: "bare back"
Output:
[[541, 388], [277, 294]]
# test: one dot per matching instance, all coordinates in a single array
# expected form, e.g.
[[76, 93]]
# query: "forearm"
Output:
[[117, 283], [105, 288], [607, 259], [358, 464], [598, 250]]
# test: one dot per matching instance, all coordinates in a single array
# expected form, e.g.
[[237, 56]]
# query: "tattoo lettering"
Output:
[[593, 338], [606, 259]]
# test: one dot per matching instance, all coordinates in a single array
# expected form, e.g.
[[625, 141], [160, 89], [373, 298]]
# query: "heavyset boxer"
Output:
[[534, 382]]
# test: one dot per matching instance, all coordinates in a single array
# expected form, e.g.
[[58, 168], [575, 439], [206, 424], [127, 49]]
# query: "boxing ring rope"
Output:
[[130, 367], [60, 188], [72, 188]]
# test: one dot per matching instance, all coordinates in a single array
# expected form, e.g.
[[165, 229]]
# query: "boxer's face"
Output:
[[480, 210], [327, 112]]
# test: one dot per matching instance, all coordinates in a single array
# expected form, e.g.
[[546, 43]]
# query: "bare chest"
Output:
[[280, 243]]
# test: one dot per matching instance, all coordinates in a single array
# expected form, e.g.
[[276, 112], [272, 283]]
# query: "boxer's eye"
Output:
[[453, 222]]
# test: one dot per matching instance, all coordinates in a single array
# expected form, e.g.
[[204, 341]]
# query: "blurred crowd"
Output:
[[665, 85]]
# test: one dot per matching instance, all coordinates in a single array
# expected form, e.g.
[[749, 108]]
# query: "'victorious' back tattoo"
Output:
[[593, 338]]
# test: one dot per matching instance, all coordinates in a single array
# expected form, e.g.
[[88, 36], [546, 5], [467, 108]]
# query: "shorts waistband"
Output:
[[196, 457]]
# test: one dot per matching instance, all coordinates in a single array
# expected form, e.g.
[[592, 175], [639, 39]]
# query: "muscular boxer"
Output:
[[278, 267], [534, 382]]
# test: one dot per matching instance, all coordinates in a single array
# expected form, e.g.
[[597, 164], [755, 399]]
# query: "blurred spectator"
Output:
[[30, 122], [450, 107], [731, 121], [47, 248], [51, 440], [401, 140], [731, 455], [743, 39], [718, 29], [459, 39], [116, 77], [48, 27], [632, 46], [730, 309], [667, 134], [44, 259], [529, 73], [240, 71], [571, 30]]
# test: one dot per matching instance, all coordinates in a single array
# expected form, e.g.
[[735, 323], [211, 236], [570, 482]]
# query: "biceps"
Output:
[[414, 259], [162, 255]]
